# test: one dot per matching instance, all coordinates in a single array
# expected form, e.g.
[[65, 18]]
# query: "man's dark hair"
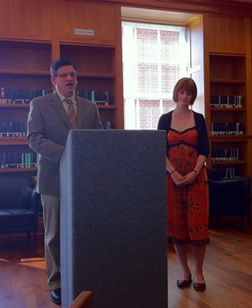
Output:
[[58, 64]]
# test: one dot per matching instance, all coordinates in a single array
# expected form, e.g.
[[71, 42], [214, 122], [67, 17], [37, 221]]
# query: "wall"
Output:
[[54, 21]]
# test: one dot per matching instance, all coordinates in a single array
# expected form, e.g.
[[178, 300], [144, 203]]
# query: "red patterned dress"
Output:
[[188, 206]]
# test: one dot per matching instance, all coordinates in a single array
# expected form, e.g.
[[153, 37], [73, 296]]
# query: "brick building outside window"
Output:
[[154, 58]]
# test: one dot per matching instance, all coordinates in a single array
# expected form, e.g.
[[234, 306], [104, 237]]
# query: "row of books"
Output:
[[19, 129], [227, 173], [20, 96], [18, 160], [218, 129], [225, 154], [98, 97], [224, 101], [24, 96], [13, 129]]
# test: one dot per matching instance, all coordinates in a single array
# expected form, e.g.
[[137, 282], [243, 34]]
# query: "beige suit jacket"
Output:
[[47, 130]]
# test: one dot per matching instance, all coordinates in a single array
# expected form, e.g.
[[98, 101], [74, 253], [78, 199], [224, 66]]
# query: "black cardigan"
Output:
[[200, 125]]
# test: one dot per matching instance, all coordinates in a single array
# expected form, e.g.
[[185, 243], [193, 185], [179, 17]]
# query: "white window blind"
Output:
[[154, 58]]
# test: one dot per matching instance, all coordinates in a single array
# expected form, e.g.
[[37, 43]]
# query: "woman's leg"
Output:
[[199, 255], [181, 252]]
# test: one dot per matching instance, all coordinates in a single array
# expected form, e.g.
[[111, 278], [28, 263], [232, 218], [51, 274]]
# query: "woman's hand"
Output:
[[177, 178], [189, 178]]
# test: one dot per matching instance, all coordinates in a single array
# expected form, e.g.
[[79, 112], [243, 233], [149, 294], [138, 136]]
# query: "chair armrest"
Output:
[[247, 188], [35, 201]]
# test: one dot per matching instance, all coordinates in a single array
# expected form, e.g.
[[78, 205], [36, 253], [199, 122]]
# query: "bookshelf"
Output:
[[86, 32], [24, 74], [228, 107], [96, 72]]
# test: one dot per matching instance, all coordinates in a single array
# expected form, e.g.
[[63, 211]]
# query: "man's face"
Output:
[[66, 80]]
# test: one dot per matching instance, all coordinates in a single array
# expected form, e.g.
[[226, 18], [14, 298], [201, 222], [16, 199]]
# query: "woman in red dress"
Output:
[[187, 188]]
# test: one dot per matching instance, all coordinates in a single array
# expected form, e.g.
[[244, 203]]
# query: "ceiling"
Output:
[[169, 17], [156, 16]]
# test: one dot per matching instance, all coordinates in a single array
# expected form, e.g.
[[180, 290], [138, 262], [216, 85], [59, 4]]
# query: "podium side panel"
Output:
[[66, 223]]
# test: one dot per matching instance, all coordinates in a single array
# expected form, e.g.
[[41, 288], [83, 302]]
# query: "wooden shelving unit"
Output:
[[96, 72], [27, 67], [58, 28], [228, 81], [24, 67]]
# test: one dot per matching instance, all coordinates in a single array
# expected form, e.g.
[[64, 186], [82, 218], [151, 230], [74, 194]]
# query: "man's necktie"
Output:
[[71, 113]]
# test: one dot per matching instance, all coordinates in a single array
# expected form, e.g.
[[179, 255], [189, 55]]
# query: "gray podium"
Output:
[[113, 218]]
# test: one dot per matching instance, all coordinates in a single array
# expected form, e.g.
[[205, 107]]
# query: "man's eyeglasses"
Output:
[[64, 75]]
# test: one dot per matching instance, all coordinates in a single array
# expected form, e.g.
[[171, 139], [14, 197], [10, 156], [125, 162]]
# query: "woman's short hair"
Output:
[[186, 84]]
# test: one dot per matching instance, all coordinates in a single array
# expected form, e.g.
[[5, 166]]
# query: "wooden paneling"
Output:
[[119, 115], [26, 19], [52, 22], [249, 93], [97, 17], [249, 77], [226, 34], [90, 59], [206, 77], [25, 56], [227, 45], [195, 6], [197, 61]]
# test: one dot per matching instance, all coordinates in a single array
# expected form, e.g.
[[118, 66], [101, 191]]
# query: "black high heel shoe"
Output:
[[199, 286], [184, 283]]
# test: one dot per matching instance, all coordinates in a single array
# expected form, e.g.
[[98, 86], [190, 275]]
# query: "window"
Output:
[[154, 58]]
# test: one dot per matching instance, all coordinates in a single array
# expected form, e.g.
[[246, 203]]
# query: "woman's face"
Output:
[[184, 97]]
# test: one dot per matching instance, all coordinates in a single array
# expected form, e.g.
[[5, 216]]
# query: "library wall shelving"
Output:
[[24, 74], [249, 105], [89, 32], [93, 43], [228, 114], [96, 72], [228, 98], [25, 62]]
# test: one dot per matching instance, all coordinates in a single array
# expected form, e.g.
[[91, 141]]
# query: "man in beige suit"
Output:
[[48, 125]]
